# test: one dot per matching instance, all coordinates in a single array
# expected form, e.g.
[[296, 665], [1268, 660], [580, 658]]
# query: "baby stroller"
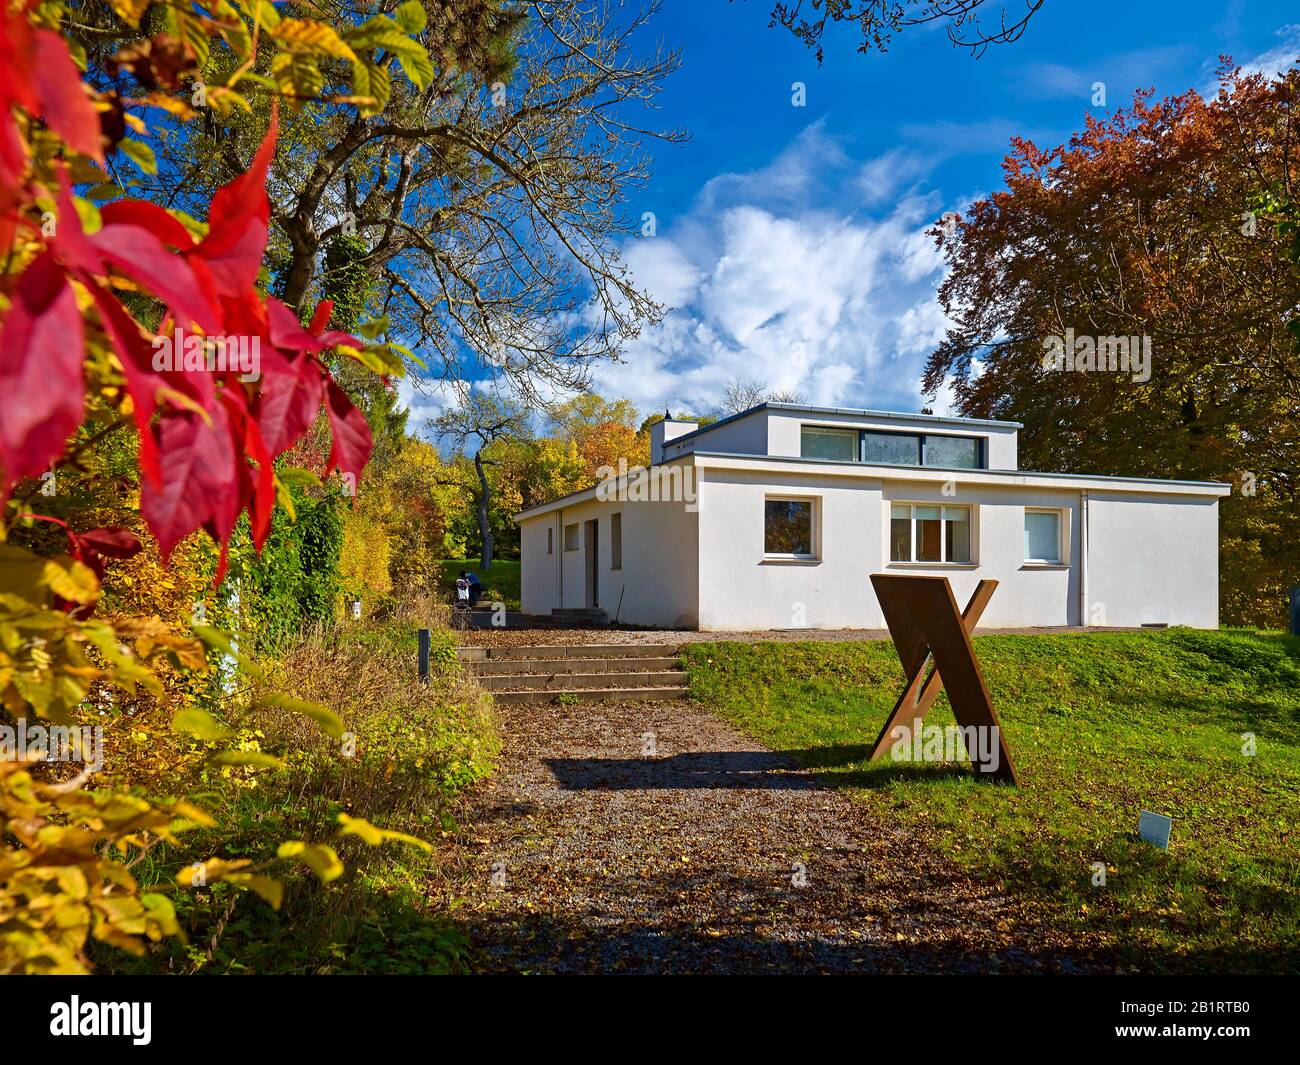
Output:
[[460, 609]]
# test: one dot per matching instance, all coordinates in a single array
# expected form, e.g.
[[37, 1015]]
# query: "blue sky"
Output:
[[790, 240]]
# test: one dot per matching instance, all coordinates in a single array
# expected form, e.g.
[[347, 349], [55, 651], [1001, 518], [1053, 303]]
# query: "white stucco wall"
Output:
[[1151, 556], [657, 584], [740, 589], [1149, 560], [1027, 594], [744, 436], [1153, 560]]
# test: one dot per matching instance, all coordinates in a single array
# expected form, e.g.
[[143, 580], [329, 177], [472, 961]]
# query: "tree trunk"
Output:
[[484, 496]]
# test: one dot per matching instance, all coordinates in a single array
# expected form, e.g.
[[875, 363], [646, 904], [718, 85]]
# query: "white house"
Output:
[[775, 518]]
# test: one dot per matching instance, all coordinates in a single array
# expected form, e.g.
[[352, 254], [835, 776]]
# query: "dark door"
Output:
[[593, 563]]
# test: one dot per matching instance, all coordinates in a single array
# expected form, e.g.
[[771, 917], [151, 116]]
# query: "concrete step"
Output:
[[500, 667], [557, 650], [666, 678], [592, 695]]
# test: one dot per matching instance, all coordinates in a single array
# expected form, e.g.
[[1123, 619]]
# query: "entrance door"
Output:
[[593, 563]]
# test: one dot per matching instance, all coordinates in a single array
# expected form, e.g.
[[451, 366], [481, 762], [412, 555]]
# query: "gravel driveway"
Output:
[[711, 855]]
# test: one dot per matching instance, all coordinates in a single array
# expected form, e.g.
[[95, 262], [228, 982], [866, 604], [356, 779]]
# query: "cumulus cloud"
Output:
[[1271, 62], [813, 274]]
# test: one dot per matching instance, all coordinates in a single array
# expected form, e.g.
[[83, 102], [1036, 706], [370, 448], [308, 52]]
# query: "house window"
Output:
[[953, 452], [550, 541], [838, 445], [926, 532], [571, 537], [616, 541], [788, 528], [892, 449], [1043, 536], [885, 448]]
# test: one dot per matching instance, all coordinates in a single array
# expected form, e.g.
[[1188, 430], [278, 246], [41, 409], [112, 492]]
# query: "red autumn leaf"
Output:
[[237, 224], [140, 255], [198, 476], [287, 333], [111, 541], [259, 493], [93, 548], [288, 401], [40, 372], [137, 253], [63, 101], [147, 216], [352, 441]]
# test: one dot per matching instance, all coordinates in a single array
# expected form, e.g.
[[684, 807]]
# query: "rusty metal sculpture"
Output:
[[925, 624]]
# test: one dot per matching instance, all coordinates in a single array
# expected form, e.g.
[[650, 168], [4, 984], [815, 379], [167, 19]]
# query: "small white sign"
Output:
[[1155, 828]]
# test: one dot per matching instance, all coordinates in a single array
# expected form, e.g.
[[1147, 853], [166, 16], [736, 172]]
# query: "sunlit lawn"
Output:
[[1101, 727]]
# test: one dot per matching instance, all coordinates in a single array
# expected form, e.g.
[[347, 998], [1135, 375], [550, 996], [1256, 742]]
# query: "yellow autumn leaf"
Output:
[[315, 36]]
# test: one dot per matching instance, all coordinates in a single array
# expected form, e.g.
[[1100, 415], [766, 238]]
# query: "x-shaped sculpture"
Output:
[[923, 620]]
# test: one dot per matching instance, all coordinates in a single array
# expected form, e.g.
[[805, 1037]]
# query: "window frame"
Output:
[[616, 540], [981, 445], [844, 430], [577, 536], [815, 538], [972, 511], [550, 540], [1062, 561]]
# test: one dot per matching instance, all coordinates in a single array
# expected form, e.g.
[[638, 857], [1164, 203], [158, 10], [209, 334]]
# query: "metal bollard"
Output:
[[424, 656]]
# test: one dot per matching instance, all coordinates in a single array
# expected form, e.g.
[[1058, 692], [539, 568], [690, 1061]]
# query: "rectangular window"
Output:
[[839, 445], [1042, 535], [929, 533], [550, 541], [616, 541], [892, 449], [788, 528], [571, 537], [900, 533], [926, 532], [887, 448], [953, 452]]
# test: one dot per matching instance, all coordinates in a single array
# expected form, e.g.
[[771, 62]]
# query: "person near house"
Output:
[[474, 589]]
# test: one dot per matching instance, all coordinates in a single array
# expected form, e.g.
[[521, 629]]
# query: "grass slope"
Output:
[[1101, 727]]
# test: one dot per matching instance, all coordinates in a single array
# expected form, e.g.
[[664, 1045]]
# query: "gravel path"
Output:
[[713, 855]]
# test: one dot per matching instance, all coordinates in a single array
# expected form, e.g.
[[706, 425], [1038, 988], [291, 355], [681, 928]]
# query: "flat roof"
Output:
[[802, 408], [910, 472], [1217, 487]]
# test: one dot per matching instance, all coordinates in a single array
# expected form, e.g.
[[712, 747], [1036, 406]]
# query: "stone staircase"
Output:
[[589, 672]]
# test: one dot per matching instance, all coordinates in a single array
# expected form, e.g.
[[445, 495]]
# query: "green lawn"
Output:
[[500, 583], [1101, 726]]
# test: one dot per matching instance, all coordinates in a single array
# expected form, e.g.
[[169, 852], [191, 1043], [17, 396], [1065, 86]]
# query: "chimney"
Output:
[[663, 431]]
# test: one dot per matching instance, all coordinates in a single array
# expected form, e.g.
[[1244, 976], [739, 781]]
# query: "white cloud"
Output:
[[812, 274], [1270, 63], [423, 404]]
